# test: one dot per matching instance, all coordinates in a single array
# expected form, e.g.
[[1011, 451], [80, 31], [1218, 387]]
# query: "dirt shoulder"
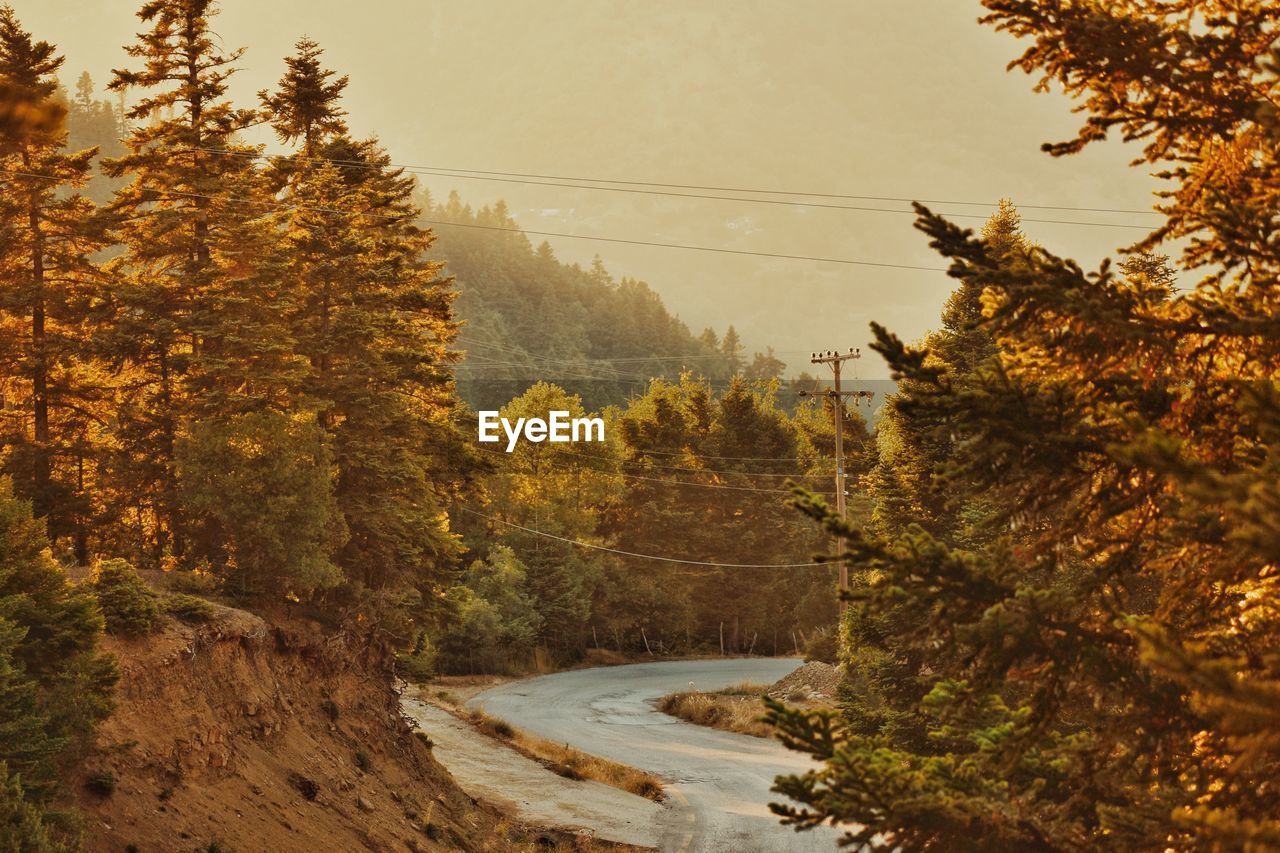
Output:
[[250, 734], [491, 771]]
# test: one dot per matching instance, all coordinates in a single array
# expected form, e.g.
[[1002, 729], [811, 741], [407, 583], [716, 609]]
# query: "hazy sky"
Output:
[[893, 98]]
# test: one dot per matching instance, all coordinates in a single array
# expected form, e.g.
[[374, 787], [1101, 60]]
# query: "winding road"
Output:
[[718, 782]]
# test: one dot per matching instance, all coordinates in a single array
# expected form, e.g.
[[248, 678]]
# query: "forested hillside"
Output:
[[527, 316]]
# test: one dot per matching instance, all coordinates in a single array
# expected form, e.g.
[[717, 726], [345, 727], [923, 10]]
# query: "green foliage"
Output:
[[102, 783], [362, 761], [701, 462], [198, 582], [55, 685], [188, 608], [23, 825], [495, 617], [258, 489], [419, 664], [1064, 634], [127, 603]]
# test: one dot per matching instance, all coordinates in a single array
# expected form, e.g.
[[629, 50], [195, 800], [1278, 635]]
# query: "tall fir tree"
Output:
[[50, 233], [191, 321], [373, 319], [731, 348]]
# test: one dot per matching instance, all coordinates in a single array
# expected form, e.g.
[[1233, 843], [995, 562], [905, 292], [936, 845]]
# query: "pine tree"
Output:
[[55, 685], [764, 367], [305, 108], [731, 348], [191, 322], [1098, 667], [50, 233], [372, 317]]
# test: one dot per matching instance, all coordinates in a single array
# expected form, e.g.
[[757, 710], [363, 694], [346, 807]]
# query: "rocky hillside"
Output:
[[242, 735]]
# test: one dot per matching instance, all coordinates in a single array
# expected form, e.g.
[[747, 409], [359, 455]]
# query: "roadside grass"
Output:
[[733, 709], [563, 759]]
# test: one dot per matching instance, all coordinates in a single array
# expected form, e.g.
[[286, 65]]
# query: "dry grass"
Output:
[[564, 759], [734, 709]]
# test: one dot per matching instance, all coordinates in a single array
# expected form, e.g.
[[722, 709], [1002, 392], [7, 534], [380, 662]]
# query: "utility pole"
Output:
[[835, 359]]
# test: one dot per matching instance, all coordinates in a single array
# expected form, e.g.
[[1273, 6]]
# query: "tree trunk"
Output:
[[41, 498]]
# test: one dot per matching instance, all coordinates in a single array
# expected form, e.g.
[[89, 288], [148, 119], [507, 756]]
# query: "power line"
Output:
[[579, 454], [630, 187], [612, 360], [627, 476], [859, 208], [690, 247], [475, 225], [639, 556], [548, 359]]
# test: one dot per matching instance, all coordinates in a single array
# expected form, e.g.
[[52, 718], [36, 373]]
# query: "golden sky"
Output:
[[892, 98]]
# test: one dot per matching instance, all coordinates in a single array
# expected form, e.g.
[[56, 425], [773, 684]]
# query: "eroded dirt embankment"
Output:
[[262, 736]]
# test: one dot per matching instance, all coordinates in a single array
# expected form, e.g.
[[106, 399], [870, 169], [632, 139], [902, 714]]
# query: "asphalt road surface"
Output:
[[490, 771], [718, 782]]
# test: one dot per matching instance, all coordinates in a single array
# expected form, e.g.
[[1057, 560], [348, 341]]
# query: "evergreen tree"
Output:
[[1093, 664], [49, 234], [258, 489], [192, 293], [373, 319], [765, 367], [305, 108], [95, 123], [55, 685], [731, 348]]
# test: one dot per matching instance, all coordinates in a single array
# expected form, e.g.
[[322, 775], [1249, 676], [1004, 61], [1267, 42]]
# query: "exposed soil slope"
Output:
[[270, 737]]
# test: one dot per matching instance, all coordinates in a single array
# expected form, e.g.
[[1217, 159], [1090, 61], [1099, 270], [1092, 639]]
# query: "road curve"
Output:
[[718, 782]]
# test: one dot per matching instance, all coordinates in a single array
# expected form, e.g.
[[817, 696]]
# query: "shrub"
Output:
[[425, 739], [822, 646], [330, 709], [362, 761], [309, 788], [127, 603], [188, 608], [102, 783], [198, 581], [419, 665]]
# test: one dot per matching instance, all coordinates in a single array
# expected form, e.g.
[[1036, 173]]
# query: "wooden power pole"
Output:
[[836, 395]]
